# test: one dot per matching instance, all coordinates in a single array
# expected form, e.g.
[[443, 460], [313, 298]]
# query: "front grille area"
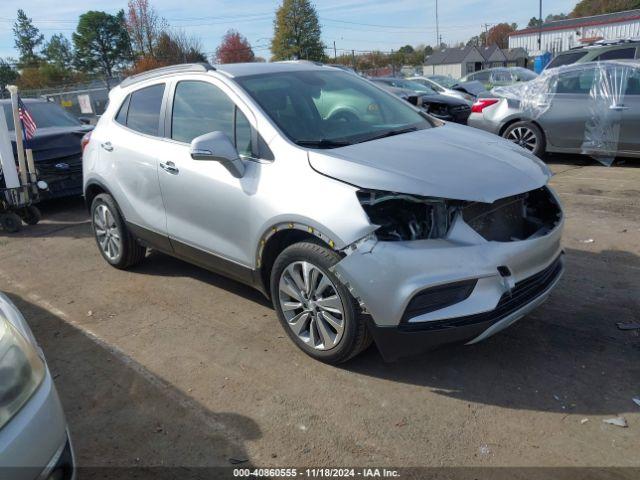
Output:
[[524, 292], [60, 166], [514, 218]]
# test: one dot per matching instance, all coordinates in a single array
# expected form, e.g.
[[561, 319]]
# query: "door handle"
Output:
[[618, 108], [169, 167], [107, 146]]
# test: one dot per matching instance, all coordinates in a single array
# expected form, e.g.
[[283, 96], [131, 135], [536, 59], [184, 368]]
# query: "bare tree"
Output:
[[144, 26]]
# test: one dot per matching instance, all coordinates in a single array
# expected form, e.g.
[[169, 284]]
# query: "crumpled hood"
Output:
[[54, 142], [451, 161]]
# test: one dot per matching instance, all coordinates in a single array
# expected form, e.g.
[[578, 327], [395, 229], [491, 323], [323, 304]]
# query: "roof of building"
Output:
[[570, 23], [451, 56], [515, 54], [437, 57], [488, 52]]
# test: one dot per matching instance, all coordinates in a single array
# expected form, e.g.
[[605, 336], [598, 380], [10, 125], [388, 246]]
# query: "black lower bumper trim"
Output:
[[409, 339]]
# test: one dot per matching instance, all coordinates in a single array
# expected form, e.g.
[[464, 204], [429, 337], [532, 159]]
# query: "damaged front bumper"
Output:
[[461, 289]]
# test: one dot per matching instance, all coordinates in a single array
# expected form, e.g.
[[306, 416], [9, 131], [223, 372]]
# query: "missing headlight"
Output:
[[407, 217]]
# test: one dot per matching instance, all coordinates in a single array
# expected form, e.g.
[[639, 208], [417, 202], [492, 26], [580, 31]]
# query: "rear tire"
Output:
[[10, 222], [31, 215], [115, 242], [528, 135], [316, 333]]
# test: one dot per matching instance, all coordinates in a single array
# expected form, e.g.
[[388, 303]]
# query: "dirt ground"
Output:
[[169, 364]]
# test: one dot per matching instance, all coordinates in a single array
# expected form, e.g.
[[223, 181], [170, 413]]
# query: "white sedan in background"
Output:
[[34, 441]]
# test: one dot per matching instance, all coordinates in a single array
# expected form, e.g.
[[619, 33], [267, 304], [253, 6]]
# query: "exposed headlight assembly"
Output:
[[21, 371], [404, 217]]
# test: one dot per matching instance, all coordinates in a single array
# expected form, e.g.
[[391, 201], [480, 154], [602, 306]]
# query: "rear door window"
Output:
[[144, 110], [617, 54], [633, 83]]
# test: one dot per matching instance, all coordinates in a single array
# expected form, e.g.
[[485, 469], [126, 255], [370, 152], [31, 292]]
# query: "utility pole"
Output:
[[353, 58], [540, 29], [335, 55], [486, 34], [438, 38]]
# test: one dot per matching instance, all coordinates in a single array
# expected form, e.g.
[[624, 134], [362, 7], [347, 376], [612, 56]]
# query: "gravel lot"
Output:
[[169, 364]]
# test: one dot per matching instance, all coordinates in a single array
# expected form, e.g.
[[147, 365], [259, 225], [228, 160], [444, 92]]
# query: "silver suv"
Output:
[[361, 217]]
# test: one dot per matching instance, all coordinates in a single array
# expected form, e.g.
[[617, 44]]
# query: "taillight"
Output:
[[85, 140], [483, 103]]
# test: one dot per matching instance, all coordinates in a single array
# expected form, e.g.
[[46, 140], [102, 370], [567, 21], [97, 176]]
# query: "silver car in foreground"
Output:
[[361, 217], [34, 441], [590, 108]]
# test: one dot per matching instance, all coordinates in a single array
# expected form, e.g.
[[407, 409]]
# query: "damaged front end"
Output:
[[402, 217], [450, 271]]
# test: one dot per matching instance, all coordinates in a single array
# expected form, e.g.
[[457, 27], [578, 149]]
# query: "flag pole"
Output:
[[17, 126]]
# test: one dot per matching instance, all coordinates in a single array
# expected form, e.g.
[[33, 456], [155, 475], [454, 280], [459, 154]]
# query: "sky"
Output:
[[360, 25]]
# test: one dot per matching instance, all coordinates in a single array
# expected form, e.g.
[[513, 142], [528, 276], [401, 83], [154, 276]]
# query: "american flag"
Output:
[[29, 126]]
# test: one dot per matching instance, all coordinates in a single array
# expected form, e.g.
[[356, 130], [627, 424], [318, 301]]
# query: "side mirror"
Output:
[[85, 120], [217, 147]]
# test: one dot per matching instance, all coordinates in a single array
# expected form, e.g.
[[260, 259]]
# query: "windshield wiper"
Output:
[[323, 143], [390, 133]]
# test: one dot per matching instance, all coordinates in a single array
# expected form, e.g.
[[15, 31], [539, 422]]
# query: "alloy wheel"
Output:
[[525, 137], [107, 232], [311, 305]]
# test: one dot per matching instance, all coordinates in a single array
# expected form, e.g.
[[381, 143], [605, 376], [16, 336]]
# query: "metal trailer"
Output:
[[19, 188]]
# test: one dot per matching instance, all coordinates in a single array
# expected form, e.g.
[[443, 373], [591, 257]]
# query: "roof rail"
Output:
[[158, 72]]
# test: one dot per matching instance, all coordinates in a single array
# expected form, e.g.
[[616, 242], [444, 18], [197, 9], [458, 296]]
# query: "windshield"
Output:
[[328, 109], [44, 114], [444, 81], [406, 84], [524, 75]]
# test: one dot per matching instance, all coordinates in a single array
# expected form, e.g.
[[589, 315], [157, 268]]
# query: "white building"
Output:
[[562, 35]]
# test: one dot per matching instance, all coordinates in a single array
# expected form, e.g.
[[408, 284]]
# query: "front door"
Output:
[[630, 106], [208, 210]]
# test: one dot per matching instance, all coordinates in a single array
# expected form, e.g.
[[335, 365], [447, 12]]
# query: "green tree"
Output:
[[534, 22], [102, 43], [586, 8], [27, 39], [59, 52], [297, 32]]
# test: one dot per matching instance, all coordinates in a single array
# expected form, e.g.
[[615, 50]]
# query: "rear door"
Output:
[[567, 108], [132, 146]]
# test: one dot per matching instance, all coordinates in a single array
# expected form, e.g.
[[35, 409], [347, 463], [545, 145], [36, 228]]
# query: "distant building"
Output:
[[458, 62], [562, 35], [454, 62]]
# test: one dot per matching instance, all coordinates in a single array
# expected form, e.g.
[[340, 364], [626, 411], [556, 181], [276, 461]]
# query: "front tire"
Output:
[[115, 242], [528, 135], [315, 309]]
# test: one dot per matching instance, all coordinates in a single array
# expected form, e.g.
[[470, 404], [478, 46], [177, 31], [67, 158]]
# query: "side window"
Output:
[[633, 83], [242, 134], [121, 117], [617, 54], [482, 76], [199, 108], [579, 82], [144, 109]]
